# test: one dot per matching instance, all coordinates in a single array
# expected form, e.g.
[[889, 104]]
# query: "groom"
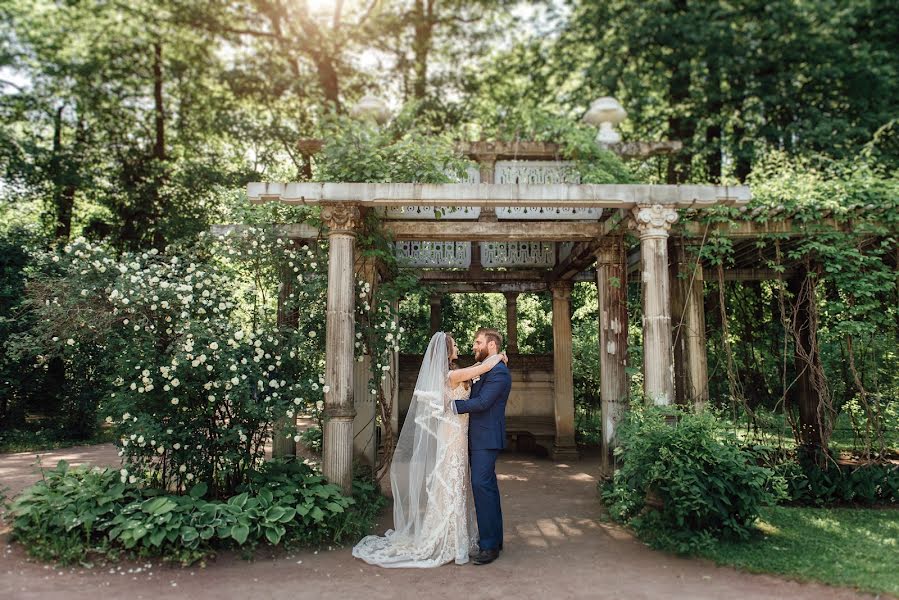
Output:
[[486, 438]]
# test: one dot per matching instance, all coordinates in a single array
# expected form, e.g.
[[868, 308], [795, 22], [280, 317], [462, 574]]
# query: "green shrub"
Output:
[[684, 483], [75, 514], [312, 438], [62, 516], [867, 484]]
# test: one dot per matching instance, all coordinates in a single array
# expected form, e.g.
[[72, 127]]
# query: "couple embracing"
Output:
[[443, 476]]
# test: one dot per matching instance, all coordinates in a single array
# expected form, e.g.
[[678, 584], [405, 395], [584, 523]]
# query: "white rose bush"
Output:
[[188, 360]]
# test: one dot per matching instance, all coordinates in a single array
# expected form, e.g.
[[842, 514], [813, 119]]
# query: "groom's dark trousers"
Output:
[[486, 438]]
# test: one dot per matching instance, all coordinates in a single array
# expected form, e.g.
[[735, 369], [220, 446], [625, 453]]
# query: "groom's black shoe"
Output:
[[476, 552], [485, 557]]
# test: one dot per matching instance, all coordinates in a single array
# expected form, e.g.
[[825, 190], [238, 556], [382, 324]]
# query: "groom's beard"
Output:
[[480, 355]]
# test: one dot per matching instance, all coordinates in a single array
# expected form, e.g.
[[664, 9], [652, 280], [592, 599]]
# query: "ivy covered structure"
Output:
[[520, 224]]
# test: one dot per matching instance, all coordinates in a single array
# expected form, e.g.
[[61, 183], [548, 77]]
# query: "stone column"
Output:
[[688, 316], [436, 314], [653, 221], [337, 454], [487, 174], [364, 402], [611, 284], [512, 322], [564, 447]]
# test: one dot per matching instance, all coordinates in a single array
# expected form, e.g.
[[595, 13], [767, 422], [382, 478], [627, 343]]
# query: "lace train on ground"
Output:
[[449, 530]]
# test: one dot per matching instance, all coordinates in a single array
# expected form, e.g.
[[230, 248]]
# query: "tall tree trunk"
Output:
[[423, 20], [714, 112], [681, 126], [159, 106], [159, 154], [64, 175], [806, 396]]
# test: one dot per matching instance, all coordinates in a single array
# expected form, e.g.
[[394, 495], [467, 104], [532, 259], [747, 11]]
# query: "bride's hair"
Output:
[[449, 352]]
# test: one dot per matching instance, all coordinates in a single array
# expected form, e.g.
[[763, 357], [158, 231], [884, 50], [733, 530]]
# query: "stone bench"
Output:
[[531, 433]]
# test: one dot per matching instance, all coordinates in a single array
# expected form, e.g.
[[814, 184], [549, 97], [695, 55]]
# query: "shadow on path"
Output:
[[557, 546]]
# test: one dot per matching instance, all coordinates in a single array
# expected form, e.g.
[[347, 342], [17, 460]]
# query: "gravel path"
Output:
[[556, 546]]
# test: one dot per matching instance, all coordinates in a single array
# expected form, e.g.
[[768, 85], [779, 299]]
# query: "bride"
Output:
[[433, 512]]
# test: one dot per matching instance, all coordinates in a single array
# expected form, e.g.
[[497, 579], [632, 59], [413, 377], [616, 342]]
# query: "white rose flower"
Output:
[[174, 401], [326, 389]]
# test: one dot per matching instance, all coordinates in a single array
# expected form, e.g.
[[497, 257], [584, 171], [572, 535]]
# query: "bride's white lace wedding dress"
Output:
[[445, 527]]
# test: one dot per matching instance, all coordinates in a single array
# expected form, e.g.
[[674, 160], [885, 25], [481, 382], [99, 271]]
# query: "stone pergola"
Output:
[[520, 226]]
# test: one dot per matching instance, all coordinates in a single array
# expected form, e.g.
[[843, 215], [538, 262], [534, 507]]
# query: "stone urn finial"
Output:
[[606, 112], [371, 107]]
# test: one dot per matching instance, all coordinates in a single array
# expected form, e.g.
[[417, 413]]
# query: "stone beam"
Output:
[[750, 229], [474, 287], [499, 195], [484, 276], [503, 231]]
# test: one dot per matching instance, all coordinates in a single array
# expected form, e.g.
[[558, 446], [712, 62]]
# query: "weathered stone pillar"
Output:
[[653, 222], [364, 402], [337, 454], [392, 385], [564, 447], [512, 322], [487, 174], [691, 376], [436, 314], [611, 284]]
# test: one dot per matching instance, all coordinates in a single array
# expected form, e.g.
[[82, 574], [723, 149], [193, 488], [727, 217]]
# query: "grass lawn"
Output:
[[32, 439], [856, 547]]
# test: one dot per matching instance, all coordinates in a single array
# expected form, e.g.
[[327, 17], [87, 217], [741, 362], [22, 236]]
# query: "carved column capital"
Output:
[[654, 220], [341, 218], [561, 289]]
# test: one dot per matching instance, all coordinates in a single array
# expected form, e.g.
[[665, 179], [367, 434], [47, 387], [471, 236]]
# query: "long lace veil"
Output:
[[415, 472]]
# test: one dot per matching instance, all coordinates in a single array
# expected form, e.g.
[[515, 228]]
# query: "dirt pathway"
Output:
[[557, 546]]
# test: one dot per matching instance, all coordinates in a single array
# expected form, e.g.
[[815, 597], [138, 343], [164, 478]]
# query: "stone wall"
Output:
[[532, 384]]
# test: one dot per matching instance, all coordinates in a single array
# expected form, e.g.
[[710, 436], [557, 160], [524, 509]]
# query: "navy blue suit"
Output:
[[486, 438]]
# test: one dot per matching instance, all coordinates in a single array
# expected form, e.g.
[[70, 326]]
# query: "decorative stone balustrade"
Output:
[[434, 254]]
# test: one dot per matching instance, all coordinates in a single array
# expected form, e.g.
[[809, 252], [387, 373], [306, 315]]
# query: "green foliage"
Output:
[[62, 516], [361, 152], [846, 213], [14, 258], [864, 484], [313, 439], [683, 483], [75, 513], [190, 382]]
